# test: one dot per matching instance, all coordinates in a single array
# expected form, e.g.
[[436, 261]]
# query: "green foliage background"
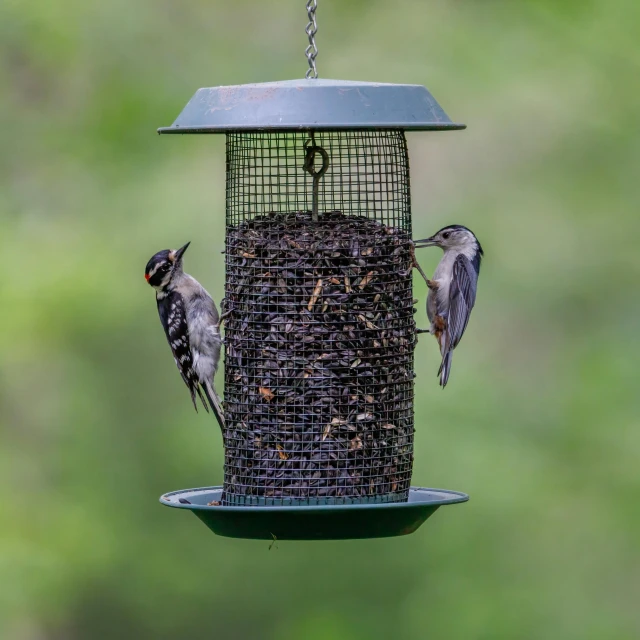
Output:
[[540, 423]]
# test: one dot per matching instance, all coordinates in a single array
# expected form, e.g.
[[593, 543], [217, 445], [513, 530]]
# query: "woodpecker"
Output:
[[452, 290], [191, 323]]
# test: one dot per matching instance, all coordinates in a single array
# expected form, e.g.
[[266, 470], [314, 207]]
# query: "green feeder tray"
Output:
[[317, 522]]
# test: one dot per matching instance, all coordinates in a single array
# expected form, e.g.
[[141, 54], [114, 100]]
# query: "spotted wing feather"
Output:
[[174, 320]]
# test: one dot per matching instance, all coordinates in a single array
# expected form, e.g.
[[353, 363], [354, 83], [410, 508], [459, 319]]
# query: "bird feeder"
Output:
[[320, 334]]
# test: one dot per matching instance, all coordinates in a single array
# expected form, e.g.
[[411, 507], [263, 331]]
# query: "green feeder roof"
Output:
[[295, 105]]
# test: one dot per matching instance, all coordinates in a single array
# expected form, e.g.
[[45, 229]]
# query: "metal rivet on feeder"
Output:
[[320, 336]]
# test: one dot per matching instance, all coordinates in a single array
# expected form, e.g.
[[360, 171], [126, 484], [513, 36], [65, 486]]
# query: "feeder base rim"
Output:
[[313, 522]]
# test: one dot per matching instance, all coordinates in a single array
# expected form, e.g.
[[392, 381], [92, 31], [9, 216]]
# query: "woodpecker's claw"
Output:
[[223, 317]]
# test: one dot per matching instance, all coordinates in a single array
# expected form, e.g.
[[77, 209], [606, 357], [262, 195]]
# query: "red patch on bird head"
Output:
[[146, 277]]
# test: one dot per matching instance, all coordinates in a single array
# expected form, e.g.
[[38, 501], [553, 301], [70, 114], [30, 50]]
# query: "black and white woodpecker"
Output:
[[452, 290], [191, 323]]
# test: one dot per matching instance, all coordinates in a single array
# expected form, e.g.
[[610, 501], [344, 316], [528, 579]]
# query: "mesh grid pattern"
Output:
[[319, 343]]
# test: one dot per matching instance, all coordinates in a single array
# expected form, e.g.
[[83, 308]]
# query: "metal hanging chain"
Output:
[[312, 28], [311, 148]]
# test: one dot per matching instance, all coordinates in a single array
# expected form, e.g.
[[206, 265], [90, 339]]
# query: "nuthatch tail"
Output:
[[452, 290]]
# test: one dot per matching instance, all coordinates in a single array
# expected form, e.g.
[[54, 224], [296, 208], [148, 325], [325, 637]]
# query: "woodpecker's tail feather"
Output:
[[202, 399], [445, 369], [193, 398], [214, 403]]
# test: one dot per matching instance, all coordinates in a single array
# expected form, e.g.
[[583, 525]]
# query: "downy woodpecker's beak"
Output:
[[180, 252], [427, 242]]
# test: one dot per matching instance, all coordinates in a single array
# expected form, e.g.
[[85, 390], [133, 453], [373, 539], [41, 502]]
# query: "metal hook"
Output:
[[311, 148]]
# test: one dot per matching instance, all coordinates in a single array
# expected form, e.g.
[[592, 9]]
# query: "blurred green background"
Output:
[[540, 423]]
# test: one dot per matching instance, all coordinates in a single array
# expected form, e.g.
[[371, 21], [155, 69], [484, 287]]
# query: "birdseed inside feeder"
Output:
[[320, 335]]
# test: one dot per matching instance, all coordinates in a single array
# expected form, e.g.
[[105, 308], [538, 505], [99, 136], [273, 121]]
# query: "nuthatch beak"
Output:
[[427, 242]]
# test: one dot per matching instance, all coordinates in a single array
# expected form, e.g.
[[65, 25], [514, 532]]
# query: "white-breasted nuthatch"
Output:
[[452, 290], [191, 323]]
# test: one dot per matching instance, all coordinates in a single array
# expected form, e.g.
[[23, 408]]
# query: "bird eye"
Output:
[[446, 235]]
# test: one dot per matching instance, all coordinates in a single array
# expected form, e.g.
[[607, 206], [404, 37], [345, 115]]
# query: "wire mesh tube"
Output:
[[320, 340]]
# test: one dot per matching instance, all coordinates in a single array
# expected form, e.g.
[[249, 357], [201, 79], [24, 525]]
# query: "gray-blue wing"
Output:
[[462, 297]]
